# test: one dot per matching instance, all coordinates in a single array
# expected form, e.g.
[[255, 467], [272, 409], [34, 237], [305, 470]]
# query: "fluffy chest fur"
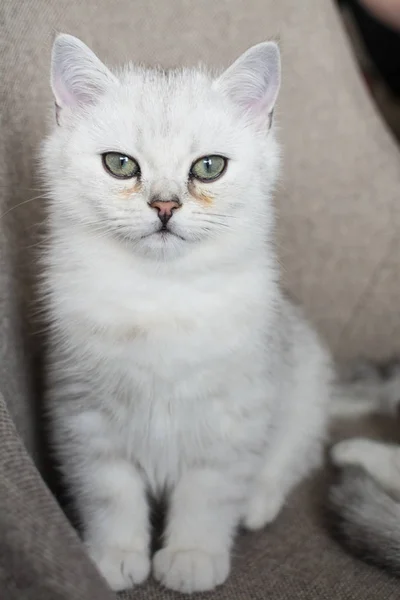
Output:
[[173, 358]]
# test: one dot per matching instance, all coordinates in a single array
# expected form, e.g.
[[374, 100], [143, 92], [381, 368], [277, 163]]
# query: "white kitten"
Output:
[[176, 365]]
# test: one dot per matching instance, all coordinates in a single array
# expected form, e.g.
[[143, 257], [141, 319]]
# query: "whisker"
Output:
[[21, 204], [213, 222], [212, 214]]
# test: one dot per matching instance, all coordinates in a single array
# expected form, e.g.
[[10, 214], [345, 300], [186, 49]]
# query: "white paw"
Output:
[[263, 508], [121, 568], [190, 571], [351, 452]]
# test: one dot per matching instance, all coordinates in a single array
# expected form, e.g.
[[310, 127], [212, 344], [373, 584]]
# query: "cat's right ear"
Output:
[[78, 77], [252, 82]]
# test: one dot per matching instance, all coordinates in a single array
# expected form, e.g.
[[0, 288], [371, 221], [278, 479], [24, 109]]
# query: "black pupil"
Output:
[[208, 164], [122, 161]]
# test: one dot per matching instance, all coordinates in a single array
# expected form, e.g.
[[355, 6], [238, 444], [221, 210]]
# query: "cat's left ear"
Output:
[[78, 77], [252, 82]]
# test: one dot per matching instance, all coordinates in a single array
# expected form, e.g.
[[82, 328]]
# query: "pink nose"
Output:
[[165, 209]]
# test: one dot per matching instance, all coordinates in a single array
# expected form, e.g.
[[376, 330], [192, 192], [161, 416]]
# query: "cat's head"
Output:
[[165, 161]]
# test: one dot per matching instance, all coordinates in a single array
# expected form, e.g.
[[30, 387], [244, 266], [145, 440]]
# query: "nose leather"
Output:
[[165, 209]]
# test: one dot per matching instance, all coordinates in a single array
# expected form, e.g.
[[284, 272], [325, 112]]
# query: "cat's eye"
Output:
[[208, 168], [121, 165]]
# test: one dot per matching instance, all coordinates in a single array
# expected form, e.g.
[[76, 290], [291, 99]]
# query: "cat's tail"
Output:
[[365, 519], [365, 388], [363, 516]]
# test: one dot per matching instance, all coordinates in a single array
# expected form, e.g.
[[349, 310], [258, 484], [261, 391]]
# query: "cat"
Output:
[[364, 505], [177, 367]]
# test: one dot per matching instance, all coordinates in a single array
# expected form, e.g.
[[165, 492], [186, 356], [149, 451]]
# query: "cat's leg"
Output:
[[380, 460], [108, 490], [295, 448], [283, 468], [265, 502], [204, 512], [116, 522], [109, 495]]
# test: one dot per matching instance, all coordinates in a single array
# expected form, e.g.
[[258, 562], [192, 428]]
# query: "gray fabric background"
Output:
[[338, 243]]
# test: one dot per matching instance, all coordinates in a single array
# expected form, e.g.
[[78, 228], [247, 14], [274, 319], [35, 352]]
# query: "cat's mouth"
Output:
[[164, 232]]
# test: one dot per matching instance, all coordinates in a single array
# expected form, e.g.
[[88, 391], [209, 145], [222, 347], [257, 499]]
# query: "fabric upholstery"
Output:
[[337, 240]]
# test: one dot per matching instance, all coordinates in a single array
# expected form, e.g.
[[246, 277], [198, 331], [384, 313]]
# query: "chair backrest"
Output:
[[338, 196]]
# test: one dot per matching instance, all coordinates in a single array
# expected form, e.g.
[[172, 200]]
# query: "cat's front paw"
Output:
[[190, 571], [122, 568]]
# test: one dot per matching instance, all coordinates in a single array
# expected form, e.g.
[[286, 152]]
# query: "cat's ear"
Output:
[[78, 77], [253, 81]]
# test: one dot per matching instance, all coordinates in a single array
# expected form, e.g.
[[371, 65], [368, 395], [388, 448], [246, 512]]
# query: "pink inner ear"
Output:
[[258, 105], [261, 107], [265, 104], [253, 81], [63, 96]]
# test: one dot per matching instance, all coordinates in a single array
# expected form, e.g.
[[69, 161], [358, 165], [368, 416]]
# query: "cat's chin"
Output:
[[162, 245]]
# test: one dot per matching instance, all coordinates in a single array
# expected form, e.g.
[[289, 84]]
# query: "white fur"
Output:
[[176, 365]]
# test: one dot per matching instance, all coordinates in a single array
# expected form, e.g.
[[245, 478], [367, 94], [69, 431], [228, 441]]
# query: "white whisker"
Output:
[[12, 208]]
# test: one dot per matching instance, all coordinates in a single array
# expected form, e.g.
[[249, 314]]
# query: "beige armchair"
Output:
[[339, 243]]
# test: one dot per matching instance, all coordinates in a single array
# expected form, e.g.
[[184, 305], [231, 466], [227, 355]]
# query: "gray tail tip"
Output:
[[360, 536]]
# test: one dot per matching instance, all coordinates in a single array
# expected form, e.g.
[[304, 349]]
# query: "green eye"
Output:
[[120, 165], [208, 168]]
